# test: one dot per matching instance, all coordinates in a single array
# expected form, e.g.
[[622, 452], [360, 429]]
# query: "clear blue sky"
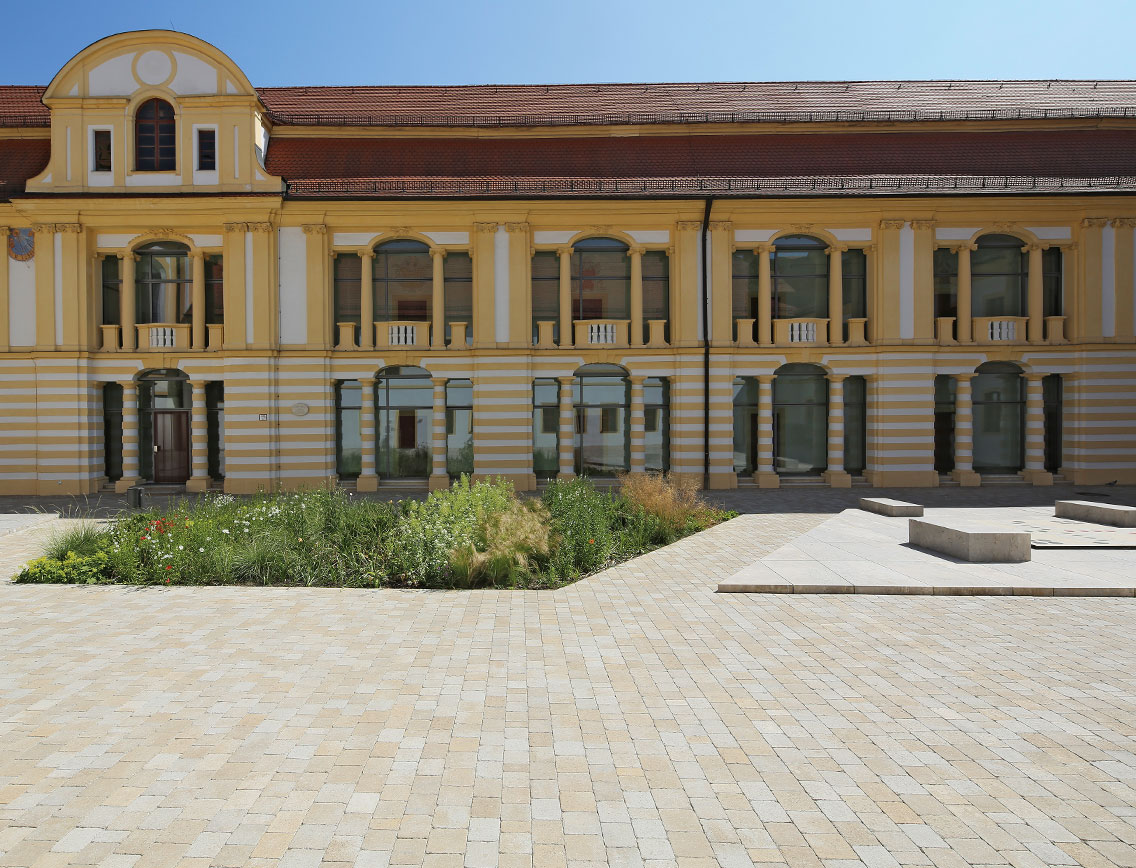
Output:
[[505, 41]]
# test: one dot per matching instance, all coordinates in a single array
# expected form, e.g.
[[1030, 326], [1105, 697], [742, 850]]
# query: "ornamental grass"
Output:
[[474, 534]]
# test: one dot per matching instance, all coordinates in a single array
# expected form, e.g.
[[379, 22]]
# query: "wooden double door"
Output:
[[171, 446]]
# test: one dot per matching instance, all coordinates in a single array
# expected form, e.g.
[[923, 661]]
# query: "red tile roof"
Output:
[[850, 163], [575, 104], [20, 106], [20, 159]]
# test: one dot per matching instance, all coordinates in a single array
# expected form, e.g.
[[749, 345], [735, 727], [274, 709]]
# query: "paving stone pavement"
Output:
[[634, 718]]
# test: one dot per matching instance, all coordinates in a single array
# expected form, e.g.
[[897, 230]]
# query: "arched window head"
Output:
[[155, 137]]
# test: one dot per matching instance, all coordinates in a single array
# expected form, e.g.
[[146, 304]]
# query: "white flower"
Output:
[[181, 548], [201, 549], [224, 530]]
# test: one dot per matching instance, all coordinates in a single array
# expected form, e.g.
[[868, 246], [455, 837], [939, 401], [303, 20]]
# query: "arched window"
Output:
[[404, 398], [800, 420], [163, 283], [601, 397], [403, 281], [800, 277], [999, 276], [998, 396], [601, 279], [155, 137]]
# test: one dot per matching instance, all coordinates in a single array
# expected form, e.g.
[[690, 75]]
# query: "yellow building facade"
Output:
[[202, 286]]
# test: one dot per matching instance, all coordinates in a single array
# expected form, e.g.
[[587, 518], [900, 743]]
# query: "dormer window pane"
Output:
[[155, 137], [102, 162], [207, 150]]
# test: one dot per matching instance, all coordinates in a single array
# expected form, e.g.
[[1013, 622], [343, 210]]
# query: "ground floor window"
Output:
[[944, 423], [546, 428], [855, 425], [348, 436], [112, 431], [999, 418], [745, 424], [600, 397], [800, 420], [404, 399], [656, 425], [1053, 400], [459, 427], [215, 428]]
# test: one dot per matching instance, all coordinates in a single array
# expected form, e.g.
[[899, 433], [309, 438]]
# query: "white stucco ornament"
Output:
[[154, 67], [300, 409]]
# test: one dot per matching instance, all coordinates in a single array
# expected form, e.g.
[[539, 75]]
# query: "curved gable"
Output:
[[126, 63]]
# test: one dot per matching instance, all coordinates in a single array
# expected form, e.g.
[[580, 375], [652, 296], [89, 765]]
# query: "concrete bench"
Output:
[[887, 506], [1099, 513], [969, 542]]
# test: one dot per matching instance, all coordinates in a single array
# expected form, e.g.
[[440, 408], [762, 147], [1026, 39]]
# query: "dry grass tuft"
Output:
[[674, 500], [514, 539]]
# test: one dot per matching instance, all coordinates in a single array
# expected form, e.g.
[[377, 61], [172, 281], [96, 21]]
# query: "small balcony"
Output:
[[601, 333], [160, 337], [800, 332], [999, 329]]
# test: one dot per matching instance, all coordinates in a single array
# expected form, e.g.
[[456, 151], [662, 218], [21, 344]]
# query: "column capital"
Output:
[[516, 227], [766, 379], [366, 252], [636, 249], [959, 248], [484, 227], [439, 382], [1034, 246], [1094, 222], [567, 381], [367, 381], [836, 248], [721, 226], [637, 379], [892, 224], [836, 378], [1124, 222], [128, 384], [964, 378], [437, 253], [197, 253], [43, 228], [763, 248], [314, 229], [688, 225], [565, 250], [1034, 376], [922, 225]]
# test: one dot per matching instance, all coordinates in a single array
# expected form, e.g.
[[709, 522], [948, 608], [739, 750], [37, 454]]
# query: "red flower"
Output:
[[592, 541], [168, 567]]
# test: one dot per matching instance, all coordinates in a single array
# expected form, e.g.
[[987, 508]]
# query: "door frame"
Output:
[[186, 452]]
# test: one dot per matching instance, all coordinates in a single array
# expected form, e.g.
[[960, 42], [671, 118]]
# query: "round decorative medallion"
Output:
[[300, 409], [21, 244], [154, 67]]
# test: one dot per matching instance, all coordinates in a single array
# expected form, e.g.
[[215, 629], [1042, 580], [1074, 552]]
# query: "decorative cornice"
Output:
[[803, 228], [1094, 222], [604, 229], [1005, 226], [892, 224], [314, 229], [43, 228], [247, 227]]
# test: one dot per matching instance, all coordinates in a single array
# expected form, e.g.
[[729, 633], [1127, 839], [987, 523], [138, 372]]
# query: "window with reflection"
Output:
[[800, 420], [112, 431], [112, 291], [155, 137], [854, 286], [457, 293], [601, 398], [345, 291], [656, 425], [403, 281], [546, 428], [164, 283], [998, 396], [1052, 269], [945, 278], [656, 292], [214, 289], [744, 293], [215, 428], [745, 424], [855, 424], [1053, 407], [799, 277], [998, 276], [459, 427], [404, 398], [601, 279], [945, 386], [348, 432], [545, 292]]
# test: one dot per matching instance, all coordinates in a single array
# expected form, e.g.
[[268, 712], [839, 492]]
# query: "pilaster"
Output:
[[439, 477], [129, 436], [567, 430], [198, 435], [368, 479], [1035, 471], [835, 474], [766, 476], [721, 281], [520, 284], [484, 315], [964, 433]]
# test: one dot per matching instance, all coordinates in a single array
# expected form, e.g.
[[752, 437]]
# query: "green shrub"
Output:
[[72, 569], [584, 523], [515, 542]]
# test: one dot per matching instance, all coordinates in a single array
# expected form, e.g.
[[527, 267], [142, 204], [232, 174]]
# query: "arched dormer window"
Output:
[[155, 137]]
